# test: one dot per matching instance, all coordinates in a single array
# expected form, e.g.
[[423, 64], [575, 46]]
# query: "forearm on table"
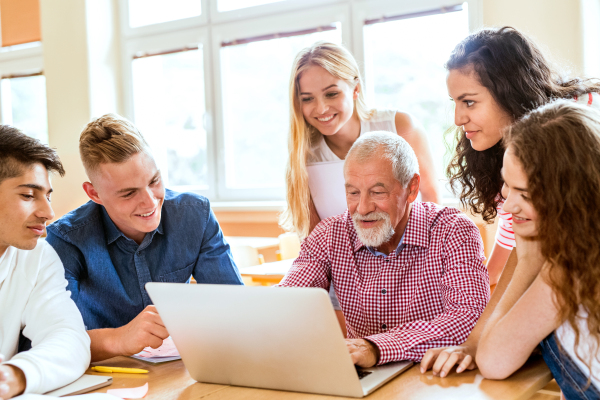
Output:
[[411, 341], [104, 343], [510, 289]]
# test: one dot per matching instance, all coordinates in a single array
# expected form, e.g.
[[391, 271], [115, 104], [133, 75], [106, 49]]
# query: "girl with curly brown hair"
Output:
[[495, 76], [552, 175]]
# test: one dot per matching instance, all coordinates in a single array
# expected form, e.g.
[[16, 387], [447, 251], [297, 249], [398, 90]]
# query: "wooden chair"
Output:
[[246, 256], [289, 246]]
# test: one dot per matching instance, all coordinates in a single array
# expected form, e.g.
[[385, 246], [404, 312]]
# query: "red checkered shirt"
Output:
[[428, 294]]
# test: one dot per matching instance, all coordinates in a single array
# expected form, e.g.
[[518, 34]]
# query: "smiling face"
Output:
[[476, 111], [518, 202], [24, 208], [132, 193], [327, 102], [379, 205]]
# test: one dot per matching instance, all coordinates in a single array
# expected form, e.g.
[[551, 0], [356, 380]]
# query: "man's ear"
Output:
[[413, 188], [89, 189]]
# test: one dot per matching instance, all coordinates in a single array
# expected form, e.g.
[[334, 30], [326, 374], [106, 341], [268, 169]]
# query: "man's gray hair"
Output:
[[390, 146]]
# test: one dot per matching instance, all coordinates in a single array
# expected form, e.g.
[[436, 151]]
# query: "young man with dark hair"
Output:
[[33, 298], [133, 231]]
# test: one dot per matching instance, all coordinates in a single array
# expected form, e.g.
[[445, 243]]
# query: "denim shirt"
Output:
[[106, 271]]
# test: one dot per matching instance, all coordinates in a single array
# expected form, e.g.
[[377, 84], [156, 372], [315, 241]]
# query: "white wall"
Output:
[[82, 82], [555, 25]]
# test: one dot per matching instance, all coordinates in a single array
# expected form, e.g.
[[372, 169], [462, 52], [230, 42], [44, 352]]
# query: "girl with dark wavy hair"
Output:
[[495, 76], [552, 175]]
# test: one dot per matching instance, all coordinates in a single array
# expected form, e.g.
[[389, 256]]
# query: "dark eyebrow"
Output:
[[462, 96], [328, 87], [34, 187]]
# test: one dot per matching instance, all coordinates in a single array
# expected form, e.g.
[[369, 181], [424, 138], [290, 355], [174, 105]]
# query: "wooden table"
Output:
[[172, 381], [268, 273]]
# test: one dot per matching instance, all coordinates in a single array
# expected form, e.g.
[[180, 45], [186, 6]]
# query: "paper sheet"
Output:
[[327, 187], [166, 352], [130, 393]]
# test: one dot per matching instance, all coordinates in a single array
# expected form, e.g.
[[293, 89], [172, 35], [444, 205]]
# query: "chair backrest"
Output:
[[245, 256], [289, 245]]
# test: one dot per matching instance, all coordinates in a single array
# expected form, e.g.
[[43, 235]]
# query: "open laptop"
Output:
[[273, 338]]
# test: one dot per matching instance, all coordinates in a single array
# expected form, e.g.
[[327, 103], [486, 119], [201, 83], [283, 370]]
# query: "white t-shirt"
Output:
[[505, 235], [34, 299], [566, 336]]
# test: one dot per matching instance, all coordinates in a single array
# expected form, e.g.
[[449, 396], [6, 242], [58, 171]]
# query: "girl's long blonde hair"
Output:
[[338, 61]]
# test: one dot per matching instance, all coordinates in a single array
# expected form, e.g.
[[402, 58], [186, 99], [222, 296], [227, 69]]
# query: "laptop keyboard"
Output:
[[362, 373]]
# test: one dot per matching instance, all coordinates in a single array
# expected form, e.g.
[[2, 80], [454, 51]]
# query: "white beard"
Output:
[[376, 236]]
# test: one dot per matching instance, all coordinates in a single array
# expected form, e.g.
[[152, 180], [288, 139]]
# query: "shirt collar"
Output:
[[415, 234], [113, 233]]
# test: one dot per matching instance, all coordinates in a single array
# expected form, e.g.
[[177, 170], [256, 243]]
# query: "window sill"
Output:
[[244, 206]]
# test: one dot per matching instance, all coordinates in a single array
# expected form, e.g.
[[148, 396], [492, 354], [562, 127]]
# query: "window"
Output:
[[229, 5], [207, 81], [23, 100], [411, 77], [168, 92], [256, 106], [148, 12]]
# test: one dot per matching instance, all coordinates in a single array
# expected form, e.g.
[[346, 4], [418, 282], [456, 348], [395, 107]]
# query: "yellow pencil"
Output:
[[122, 370]]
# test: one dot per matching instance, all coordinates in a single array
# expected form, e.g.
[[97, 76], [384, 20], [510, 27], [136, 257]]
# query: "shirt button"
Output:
[[383, 291], [383, 326]]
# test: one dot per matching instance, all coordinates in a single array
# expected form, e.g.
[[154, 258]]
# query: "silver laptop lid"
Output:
[[276, 338]]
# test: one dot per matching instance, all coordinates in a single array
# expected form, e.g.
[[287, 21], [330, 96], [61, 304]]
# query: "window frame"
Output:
[[171, 41], [256, 27], [20, 61], [213, 27]]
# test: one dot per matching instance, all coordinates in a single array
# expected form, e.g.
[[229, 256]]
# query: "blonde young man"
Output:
[[33, 299], [133, 231]]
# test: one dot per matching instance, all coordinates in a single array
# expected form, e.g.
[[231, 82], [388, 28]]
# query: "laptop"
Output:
[[264, 337]]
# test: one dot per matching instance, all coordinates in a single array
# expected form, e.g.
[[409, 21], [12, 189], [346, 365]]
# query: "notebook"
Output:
[[86, 383]]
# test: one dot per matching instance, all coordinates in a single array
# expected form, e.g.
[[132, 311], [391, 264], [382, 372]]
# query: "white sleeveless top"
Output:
[[566, 336], [382, 120]]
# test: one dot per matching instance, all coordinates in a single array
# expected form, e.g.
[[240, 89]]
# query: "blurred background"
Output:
[[206, 81]]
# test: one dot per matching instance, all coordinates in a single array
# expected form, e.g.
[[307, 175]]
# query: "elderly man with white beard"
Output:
[[409, 276]]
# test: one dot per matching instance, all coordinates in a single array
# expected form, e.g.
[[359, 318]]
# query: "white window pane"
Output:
[[168, 94], [147, 12], [24, 105], [229, 5], [256, 108], [405, 71]]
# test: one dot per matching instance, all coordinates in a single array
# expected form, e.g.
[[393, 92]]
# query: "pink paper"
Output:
[[167, 349], [130, 393]]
